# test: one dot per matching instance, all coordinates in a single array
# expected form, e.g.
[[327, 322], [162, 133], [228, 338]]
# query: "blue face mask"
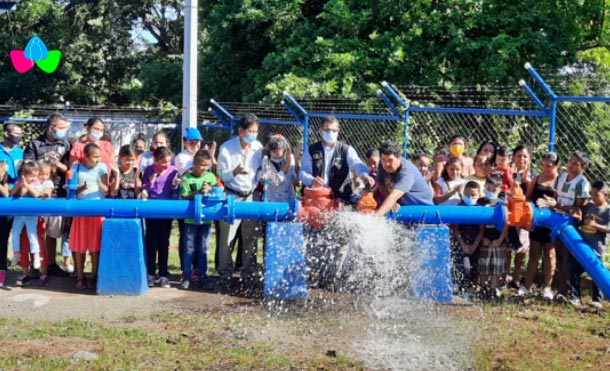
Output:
[[60, 134], [468, 201], [96, 135], [276, 160], [250, 138], [330, 136]]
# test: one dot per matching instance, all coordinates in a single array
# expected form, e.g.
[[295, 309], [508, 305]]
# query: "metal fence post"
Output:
[[406, 133], [553, 125]]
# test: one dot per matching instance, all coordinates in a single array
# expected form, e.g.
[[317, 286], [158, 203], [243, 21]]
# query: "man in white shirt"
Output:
[[239, 159]]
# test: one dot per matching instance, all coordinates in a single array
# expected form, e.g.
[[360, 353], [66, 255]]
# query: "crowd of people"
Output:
[[482, 257]]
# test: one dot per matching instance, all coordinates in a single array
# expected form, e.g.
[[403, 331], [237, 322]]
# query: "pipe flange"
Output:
[[198, 209], [230, 209]]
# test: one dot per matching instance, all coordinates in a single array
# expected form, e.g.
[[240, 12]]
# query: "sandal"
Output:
[[92, 283], [81, 284]]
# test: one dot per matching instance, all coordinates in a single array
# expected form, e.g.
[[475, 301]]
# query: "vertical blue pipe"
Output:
[[406, 133], [306, 132], [553, 125]]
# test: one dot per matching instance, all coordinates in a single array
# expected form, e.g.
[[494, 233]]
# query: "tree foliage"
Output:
[[254, 49]]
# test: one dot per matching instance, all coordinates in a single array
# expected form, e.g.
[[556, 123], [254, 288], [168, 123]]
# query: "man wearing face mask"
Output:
[[54, 147], [12, 155], [329, 161], [239, 159]]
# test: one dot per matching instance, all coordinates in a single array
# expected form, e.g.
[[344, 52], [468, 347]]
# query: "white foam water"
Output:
[[405, 334]]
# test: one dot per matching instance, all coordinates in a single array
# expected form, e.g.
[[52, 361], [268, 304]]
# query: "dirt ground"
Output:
[[386, 336]]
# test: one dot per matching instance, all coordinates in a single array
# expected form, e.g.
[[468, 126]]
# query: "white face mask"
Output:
[[490, 196], [330, 136], [468, 201]]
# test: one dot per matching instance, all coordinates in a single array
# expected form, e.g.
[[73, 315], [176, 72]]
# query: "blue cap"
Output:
[[192, 134]]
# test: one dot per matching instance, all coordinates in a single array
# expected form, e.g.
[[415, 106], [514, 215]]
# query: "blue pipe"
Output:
[[211, 126], [295, 103], [221, 108], [292, 112], [406, 133], [214, 207], [540, 80], [356, 116], [562, 227], [479, 111], [532, 95], [552, 126], [451, 215], [582, 99], [388, 102], [218, 116], [279, 122], [393, 93]]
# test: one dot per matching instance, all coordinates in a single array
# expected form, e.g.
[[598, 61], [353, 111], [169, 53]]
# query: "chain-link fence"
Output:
[[368, 121]]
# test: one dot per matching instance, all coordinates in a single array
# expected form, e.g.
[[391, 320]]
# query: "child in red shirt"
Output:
[[503, 169]]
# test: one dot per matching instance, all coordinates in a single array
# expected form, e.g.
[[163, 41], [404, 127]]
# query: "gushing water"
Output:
[[379, 264]]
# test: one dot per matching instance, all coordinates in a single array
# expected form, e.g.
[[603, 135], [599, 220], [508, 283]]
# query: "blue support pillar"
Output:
[[122, 269], [285, 270], [432, 281]]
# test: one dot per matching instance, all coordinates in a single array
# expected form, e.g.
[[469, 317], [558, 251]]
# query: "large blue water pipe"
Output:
[[215, 206], [561, 227]]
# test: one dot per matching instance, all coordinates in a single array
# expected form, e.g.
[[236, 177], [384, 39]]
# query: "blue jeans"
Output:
[[30, 223], [195, 244], [576, 270]]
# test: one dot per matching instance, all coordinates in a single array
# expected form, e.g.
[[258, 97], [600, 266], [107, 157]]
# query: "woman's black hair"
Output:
[[161, 152]]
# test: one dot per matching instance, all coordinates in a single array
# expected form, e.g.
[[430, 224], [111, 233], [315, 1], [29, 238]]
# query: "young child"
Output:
[[127, 185], [457, 148], [160, 182], [440, 157], [47, 186], [86, 232], [422, 162], [503, 169], [466, 241], [594, 229], [572, 193], [447, 187], [5, 228], [372, 162], [28, 185], [199, 180], [281, 170], [492, 252]]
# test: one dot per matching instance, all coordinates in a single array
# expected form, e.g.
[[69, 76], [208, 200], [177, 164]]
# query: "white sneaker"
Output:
[[16, 258], [547, 294], [69, 268], [164, 282], [523, 291], [597, 305], [151, 281], [185, 284], [36, 261], [575, 302]]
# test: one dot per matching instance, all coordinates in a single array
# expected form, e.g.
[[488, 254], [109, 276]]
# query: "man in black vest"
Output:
[[53, 145], [329, 161]]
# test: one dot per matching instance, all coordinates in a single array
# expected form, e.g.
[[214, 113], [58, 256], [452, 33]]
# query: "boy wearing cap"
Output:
[[594, 227], [191, 144]]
